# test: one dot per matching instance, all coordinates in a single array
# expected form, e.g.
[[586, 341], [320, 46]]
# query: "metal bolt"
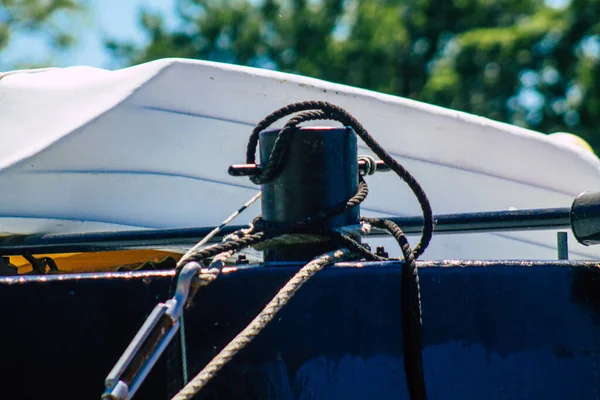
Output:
[[380, 251], [241, 259]]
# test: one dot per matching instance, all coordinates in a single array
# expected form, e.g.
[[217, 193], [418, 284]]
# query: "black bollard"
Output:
[[320, 170]]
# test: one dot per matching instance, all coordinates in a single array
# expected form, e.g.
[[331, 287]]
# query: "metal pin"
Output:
[[253, 169], [562, 245]]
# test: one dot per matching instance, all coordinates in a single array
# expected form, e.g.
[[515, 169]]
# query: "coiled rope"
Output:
[[261, 231]]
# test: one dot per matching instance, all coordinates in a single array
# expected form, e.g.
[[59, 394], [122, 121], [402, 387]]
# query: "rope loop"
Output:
[[262, 232], [322, 110], [371, 165]]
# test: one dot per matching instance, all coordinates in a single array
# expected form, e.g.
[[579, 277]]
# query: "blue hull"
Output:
[[491, 330]]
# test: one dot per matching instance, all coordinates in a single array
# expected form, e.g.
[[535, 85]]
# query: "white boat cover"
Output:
[[87, 149]]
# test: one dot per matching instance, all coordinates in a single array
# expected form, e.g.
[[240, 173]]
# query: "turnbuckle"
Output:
[[150, 342]]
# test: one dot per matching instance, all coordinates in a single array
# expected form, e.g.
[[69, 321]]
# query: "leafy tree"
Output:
[[540, 72], [519, 61], [43, 19]]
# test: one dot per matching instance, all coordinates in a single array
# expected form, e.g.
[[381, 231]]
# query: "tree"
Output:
[[519, 61], [43, 19], [540, 72]]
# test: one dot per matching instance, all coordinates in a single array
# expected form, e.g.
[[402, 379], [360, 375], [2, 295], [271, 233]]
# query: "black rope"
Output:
[[410, 304], [410, 301], [262, 230], [326, 111]]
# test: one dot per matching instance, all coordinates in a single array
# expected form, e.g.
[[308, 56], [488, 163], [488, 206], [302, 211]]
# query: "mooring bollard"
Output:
[[320, 170]]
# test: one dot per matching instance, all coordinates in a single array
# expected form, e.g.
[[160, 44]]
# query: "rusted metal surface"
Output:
[[493, 330]]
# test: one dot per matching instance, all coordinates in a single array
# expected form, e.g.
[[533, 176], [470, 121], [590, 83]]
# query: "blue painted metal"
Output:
[[320, 172], [493, 330]]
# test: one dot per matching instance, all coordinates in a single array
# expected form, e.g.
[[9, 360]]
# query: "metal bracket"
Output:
[[38, 265], [150, 342]]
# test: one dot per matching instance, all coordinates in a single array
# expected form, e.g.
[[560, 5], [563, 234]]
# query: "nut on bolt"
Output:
[[380, 251]]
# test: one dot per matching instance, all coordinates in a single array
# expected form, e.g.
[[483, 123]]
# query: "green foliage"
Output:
[[43, 18], [539, 72], [519, 61]]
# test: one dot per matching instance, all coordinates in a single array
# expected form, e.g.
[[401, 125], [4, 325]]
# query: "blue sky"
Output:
[[114, 18]]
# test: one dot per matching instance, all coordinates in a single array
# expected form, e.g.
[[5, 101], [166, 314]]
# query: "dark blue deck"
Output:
[[501, 330]]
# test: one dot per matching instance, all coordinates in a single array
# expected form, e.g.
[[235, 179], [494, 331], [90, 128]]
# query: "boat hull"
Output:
[[493, 330]]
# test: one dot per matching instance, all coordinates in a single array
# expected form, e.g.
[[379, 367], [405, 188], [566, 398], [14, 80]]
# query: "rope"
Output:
[[215, 231], [256, 234], [262, 231], [328, 111], [410, 304], [203, 280], [260, 322], [410, 301], [371, 164], [290, 239]]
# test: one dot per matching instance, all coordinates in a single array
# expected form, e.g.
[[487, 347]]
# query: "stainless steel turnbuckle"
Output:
[[150, 342]]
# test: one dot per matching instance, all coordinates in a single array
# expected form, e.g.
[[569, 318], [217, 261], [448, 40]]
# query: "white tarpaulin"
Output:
[[86, 149]]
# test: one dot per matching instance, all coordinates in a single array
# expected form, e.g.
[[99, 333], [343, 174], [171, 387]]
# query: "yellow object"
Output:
[[106, 261], [571, 140]]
